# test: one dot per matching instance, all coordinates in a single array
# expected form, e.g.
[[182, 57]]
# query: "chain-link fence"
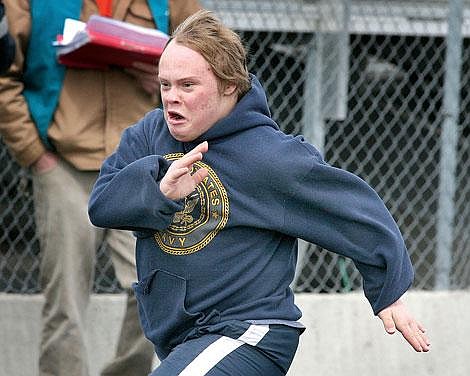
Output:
[[366, 82]]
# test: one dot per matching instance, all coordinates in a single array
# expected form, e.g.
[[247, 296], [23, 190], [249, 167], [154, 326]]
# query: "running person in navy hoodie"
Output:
[[217, 195]]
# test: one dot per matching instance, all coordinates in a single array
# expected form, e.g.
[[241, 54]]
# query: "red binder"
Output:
[[106, 42]]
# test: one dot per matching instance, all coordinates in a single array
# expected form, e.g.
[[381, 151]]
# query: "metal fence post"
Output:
[[313, 121], [314, 112], [448, 149]]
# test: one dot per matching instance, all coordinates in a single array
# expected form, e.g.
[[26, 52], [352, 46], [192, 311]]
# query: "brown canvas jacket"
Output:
[[94, 106]]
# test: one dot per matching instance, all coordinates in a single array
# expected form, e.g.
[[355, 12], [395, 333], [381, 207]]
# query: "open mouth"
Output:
[[175, 116]]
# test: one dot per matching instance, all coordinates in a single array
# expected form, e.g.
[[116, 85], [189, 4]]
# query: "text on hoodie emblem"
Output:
[[205, 213]]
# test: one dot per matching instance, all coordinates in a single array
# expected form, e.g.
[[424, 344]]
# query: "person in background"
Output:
[[7, 44], [217, 196], [61, 123]]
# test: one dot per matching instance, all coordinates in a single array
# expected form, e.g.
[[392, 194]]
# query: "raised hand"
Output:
[[178, 181]]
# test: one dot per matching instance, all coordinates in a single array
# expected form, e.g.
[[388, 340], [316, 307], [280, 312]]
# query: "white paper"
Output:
[[71, 29]]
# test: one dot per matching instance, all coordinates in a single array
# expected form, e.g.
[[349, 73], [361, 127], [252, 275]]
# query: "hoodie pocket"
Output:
[[161, 300]]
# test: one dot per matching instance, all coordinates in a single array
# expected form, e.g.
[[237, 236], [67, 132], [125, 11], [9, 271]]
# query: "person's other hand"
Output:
[[397, 317], [178, 181], [45, 163], [146, 74]]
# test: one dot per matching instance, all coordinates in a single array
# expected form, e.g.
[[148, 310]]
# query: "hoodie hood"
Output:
[[252, 110]]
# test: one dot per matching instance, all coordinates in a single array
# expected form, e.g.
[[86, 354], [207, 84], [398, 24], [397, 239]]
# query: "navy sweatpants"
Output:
[[233, 348]]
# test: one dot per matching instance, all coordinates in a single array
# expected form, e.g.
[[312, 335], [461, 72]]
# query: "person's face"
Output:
[[192, 101]]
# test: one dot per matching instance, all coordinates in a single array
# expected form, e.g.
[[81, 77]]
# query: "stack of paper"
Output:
[[103, 42]]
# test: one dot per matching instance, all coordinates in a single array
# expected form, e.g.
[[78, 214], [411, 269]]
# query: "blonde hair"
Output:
[[220, 46]]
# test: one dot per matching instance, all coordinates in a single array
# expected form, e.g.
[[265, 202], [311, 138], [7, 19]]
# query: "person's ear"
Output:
[[230, 89]]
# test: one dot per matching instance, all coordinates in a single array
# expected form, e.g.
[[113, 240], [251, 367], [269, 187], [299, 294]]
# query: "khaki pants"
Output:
[[68, 247]]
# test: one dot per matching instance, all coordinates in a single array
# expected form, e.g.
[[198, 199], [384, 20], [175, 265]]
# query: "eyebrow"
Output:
[[188, 78]]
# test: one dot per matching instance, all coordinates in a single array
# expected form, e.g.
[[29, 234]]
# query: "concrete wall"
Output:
[[343, 337]]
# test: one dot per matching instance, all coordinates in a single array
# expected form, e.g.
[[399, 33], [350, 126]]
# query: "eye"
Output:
[[188, 84], [164, 85]]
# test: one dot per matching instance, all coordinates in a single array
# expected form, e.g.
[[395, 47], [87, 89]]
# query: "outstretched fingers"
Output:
[[415, 334], [397, 317], [200, 148]]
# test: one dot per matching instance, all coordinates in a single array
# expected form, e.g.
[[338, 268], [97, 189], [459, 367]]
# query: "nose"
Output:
[[171, 95]]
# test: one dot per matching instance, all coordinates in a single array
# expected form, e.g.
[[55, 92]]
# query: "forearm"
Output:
[[130, 198]]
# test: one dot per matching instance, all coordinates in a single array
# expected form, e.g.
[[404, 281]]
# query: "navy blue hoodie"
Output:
[[228, 251]]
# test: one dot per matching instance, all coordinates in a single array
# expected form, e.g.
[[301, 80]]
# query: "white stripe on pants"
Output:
[[216, 351]]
